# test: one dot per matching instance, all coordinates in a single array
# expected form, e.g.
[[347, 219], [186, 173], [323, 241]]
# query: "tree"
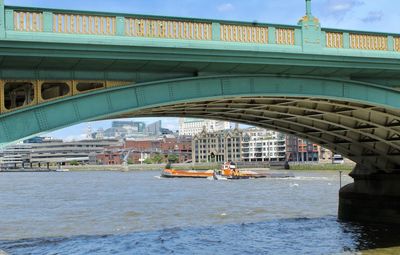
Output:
[[74, 163], [157, 159], [173, 158], [147, 161]]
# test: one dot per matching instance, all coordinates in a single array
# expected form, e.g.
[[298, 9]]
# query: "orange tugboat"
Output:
[[227, 171]]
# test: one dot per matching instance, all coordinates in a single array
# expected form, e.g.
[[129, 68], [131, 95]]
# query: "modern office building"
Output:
[[191, 126], [134, 125], [263, 145], [14, 156], [57, 151], [154, 129], [52, 151], [122, 129]]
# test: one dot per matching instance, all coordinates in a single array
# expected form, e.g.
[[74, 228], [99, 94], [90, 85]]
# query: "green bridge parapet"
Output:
[[27, 23]]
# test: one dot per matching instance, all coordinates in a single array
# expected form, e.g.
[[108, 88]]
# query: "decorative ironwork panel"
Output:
[[28, 21], [84, 24], [368, 42], [285, 36], [246, 34], [334, 40], [171, 29], [397, 43]]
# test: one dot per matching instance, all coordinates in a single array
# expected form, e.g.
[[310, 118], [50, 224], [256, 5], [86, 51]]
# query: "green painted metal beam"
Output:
[[307, 34], [117, 101], [2, 20]]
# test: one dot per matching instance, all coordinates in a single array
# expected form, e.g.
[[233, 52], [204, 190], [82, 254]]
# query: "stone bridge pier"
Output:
[[373, 197]]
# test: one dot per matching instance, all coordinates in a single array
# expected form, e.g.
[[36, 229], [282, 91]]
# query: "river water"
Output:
[[140, 213]]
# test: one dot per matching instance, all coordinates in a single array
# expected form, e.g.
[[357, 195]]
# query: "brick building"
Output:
[[142, 148]]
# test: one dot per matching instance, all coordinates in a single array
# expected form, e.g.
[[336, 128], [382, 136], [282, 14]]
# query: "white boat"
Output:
[[218, 177], [62, 170]]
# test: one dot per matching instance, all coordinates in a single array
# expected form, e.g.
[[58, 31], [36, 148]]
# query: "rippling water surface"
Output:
[[139, 213]]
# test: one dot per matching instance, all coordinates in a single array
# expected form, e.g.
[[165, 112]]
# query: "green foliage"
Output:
[[130, 162], [147, 161], [155, 159], [74, 163], [342, 167], [173, 158]]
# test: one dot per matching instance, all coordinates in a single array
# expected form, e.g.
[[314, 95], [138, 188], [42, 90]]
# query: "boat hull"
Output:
[[172, 173]]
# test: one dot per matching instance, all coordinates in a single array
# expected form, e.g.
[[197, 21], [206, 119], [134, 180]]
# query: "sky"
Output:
[[365, 15]]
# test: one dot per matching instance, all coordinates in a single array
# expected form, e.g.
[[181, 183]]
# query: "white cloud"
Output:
[[373, 16], [339, 8], [226, 7], [72, 138], [343, 5]]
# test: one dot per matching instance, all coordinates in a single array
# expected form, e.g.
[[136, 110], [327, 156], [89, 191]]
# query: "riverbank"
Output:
[[322, 167], [189, 166]]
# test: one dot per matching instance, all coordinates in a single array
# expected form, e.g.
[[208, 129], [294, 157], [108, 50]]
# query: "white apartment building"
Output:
[[191, 126], [263, 145]]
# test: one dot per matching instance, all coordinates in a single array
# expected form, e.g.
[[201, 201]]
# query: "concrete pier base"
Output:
[[373, 198]]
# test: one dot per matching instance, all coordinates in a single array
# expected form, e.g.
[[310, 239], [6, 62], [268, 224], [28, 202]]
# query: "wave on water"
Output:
[[282, 236], [311, 178]]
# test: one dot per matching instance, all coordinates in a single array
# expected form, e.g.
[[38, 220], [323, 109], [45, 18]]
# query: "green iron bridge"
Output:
[[337, 88]]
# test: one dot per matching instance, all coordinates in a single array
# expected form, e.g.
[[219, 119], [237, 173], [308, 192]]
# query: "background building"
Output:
[[54, 152], [219, 146], [124, 129], [191, 126], [167, 148], [128, 129], [263, 145], [17, 155], [154, 129], [300, 150]]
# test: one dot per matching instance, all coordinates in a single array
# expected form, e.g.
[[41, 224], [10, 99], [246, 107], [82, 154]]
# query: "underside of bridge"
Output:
[[367, 134], [358, 120]]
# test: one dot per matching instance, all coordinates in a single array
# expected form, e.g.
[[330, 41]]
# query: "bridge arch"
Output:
[[357, 119]]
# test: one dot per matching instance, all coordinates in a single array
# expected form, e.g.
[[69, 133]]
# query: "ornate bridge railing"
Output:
[[23, 19], [361, 40], [107, 24]]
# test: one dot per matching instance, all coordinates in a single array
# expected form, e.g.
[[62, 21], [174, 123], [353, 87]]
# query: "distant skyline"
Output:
[[78, 132], [367, 15]]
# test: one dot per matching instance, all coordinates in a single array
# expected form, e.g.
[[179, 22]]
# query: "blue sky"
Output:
[[369, 15]]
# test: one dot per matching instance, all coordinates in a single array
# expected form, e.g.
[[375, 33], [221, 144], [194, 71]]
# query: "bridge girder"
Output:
[[357, 119]]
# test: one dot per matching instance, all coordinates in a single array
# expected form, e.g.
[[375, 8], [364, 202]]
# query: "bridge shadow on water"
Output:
[[323, 235]]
